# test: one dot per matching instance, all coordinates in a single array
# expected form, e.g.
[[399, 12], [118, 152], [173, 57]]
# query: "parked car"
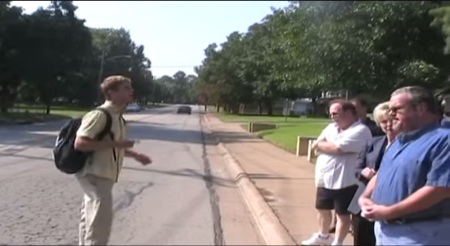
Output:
[[184, 109], [133, 107]]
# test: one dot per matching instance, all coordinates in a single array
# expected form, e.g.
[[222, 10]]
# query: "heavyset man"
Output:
[[409, 197], [340, 147]]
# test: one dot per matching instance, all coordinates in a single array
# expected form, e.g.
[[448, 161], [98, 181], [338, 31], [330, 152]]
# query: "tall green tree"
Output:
[[12, 53]]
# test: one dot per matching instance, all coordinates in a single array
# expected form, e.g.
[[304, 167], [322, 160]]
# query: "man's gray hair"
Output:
[[419, 95]]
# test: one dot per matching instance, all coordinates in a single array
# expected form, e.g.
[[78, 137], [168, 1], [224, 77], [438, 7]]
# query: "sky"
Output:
[[173, 33]]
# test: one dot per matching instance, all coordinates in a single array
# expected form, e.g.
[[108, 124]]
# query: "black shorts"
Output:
[[339, 200]]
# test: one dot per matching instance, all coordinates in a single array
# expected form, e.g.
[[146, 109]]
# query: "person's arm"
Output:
[[370, 187], [350, 143], [435, 190], [364, 200], [362, 163], [321, 137], [329, 148], [131, 153], [91, 125]]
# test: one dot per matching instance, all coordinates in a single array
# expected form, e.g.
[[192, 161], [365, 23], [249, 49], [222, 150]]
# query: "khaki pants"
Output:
[[96, 210]]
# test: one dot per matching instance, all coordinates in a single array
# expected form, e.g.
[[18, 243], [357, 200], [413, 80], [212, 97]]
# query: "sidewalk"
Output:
[[284, 180]]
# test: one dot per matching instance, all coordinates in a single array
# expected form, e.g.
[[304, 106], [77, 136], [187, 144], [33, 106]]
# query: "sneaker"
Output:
[[336, 243], [317, 239]]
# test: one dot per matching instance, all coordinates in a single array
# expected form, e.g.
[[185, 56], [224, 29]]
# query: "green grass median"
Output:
[[26, 114], [285, 135]]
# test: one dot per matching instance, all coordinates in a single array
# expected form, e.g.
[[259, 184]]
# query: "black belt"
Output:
[[403, 221]]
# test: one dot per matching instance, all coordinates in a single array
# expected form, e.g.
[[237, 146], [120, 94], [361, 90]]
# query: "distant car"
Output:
[[184, 110], [133, 107]]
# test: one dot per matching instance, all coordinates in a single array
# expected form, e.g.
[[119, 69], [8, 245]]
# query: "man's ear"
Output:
[[422, 108]]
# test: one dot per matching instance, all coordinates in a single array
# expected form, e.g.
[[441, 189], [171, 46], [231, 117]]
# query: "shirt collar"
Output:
[[409, 136], [352, 125], [113, 108]]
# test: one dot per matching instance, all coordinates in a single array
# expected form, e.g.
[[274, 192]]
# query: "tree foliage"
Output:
[[314, 46], [50, 56], [179, 88]]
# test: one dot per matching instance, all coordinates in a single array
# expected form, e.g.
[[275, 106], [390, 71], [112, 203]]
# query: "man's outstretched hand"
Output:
[[143, 159]]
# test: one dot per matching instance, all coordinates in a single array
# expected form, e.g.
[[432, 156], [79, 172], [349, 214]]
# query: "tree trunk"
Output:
[[260, 108], [269, 106], [234, 108], [47, 108], [6, 101], [3, 109]]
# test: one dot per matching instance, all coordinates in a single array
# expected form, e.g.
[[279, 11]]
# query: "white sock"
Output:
[[336, 242]]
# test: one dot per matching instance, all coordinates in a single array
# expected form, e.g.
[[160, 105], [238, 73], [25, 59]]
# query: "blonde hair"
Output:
[[379, 111], [113, 83]]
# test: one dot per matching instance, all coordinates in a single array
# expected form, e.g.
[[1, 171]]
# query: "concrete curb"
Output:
[[270, 227]]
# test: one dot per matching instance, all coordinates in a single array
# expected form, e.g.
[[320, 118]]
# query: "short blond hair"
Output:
[[379, 111], [112, 83]]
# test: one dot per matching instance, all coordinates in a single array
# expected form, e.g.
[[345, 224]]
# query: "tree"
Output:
[[12, 43], [442, 20], [310, 47], [59, 42], [50, 56]]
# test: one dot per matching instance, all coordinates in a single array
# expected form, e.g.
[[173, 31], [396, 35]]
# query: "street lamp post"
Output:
[[153, 92], [102, 64]]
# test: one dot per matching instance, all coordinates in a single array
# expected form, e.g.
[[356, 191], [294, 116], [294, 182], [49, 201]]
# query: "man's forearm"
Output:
[[328, 148], [87, 144], [420, 200], [370, 187], [131, 153]]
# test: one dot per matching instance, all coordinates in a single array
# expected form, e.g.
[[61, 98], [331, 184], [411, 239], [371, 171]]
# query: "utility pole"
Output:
[[100, 73], [286, 111], [153, 92]]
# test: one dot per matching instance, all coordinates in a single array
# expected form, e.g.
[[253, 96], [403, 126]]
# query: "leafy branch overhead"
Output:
[[313, 46], [51, 57], [309, 47]]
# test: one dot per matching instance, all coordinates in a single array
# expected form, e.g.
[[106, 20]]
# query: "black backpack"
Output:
[[67, 158]]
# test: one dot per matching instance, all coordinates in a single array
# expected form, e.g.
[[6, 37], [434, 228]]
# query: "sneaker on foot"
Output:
[[317, 239], [336, 243]]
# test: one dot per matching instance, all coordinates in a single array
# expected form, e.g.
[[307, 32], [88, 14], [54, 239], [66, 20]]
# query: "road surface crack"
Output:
[[213, 197], [128, 198]]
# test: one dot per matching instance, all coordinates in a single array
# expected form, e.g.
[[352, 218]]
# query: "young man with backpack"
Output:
[[102, 167]]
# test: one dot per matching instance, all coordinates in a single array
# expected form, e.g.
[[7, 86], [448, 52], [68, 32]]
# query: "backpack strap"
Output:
[[123, 120], [107, 129]]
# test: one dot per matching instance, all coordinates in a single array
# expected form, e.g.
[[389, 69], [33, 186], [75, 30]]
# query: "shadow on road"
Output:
[[176, 133], [44, 134], [187, 173]]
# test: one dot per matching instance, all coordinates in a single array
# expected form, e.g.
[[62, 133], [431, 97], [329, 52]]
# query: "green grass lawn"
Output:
[[157, 105], [285, 135], [22, 113], [29, 114]]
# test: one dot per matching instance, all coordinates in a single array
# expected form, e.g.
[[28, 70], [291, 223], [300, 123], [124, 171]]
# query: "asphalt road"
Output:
[[184, 197]]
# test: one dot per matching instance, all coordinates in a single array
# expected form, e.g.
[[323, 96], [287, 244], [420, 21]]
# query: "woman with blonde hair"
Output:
[[363, 230]]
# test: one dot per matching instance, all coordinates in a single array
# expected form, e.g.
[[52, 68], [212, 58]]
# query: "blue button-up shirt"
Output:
[[445, 122], [412, 161]]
